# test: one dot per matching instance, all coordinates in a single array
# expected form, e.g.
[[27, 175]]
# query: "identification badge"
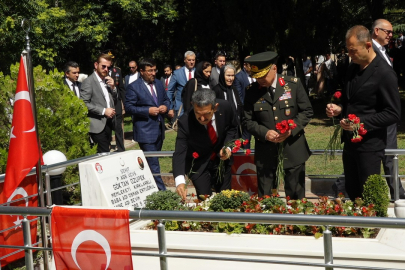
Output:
[[287, 112], [286, 95]]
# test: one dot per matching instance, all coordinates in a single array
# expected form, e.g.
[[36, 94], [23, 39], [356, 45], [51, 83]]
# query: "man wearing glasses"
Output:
[[133, 73], [382, 34], [98, 92], [146, 100]]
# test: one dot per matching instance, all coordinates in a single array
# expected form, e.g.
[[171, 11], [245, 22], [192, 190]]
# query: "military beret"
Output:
[[261, 63]]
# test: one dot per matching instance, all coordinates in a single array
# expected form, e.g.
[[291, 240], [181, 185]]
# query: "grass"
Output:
[[317, 132]]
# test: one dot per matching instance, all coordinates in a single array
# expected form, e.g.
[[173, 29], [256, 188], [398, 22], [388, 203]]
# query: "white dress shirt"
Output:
[[186, 70], [383, 51], [133, 77], [70, 84]]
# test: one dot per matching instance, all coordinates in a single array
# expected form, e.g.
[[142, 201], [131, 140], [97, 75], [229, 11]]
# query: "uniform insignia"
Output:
[[254, 68], [287, 112], [281, 81], [287, 88], [294, 79]]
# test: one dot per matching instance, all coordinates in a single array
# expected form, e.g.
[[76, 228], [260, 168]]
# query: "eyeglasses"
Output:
[[387, 32], [105, 67]]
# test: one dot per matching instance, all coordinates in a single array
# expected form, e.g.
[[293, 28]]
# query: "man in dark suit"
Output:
[[270, 100], [204, 130], [220, 61], [168, 75], [98, 92], [116, 74], [133, 75], [242, 81], [382, 34], [147, 101], [72, 70], [179, 79], [371, 93]]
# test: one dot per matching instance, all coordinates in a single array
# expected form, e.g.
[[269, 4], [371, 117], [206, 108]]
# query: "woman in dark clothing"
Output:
[[225, 90], [200, 80]]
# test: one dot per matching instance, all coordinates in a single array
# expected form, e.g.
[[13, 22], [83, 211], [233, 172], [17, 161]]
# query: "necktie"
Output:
[[213, 137], [153, 94], [167, 82], [189, 74], [75, 90]]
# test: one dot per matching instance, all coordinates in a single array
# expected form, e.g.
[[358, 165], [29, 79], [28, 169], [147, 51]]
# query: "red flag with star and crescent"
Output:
[[14, 236], [23, 151], [91, 238]]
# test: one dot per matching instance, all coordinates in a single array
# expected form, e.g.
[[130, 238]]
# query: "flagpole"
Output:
[[26, 25]]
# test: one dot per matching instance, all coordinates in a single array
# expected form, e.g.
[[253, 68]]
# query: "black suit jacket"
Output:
[[374, 97], [193, 137], [79, 84], [240, 83], [116, 74]]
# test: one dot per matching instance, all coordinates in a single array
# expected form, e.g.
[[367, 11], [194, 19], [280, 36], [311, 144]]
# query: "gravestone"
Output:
[[118, 180]]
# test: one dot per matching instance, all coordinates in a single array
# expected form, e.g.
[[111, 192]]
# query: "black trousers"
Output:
[[119, 133], [207, 180], [103, 139], [358, 166], [388, 161], [294, 181]]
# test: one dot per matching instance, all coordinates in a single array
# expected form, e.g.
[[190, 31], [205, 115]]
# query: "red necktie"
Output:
[[167, 82], [213, 137], [189, 74]]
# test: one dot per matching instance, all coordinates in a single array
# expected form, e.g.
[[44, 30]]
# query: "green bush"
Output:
[[164, 200], [376, 192], [63, 124], [228, 199]]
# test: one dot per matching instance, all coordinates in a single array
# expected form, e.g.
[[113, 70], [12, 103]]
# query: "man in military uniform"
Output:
[[268, 101]]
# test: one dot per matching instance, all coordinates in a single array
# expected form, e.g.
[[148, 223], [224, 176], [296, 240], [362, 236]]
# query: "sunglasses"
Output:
[[105, 66]]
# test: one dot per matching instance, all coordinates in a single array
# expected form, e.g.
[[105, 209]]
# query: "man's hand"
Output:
[[109, 112], [346, 125], [181, 190], [282, 137], [171, 113], [153, 111], [224, 155], [109, 81], [272, 135], [333, 110], [162, 109]]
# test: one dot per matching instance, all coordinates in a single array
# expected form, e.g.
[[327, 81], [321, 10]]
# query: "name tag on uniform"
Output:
[[286, 95]]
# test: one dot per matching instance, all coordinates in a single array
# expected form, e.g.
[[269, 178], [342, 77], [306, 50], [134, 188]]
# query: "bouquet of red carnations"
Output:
[[282, 127], [235, 146]]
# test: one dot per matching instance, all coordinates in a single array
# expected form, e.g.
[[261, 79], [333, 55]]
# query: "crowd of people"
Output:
[[213, 104]]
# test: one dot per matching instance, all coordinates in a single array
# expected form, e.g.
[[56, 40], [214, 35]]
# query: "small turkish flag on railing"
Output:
[[84, 238], [23, 151]]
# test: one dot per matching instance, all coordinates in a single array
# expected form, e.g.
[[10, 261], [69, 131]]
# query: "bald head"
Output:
[[382, 31]]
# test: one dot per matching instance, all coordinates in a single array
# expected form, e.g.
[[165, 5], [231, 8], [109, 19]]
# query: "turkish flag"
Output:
[[23, 151], [244, 165], [14, 236], [91, 238]]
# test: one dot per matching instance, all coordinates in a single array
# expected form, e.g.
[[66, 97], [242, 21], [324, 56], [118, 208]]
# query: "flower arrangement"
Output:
[[239, 201], [235, 146], [282, 127]]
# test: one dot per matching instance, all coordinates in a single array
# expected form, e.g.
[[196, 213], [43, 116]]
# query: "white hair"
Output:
[[189, 53]]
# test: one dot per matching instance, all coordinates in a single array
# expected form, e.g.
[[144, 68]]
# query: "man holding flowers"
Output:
[[276, 111], [202, 134], [370, 102]]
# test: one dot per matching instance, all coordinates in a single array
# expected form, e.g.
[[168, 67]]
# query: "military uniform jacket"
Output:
[[262, 113]]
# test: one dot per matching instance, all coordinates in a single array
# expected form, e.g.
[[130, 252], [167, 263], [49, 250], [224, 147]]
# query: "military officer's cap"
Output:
[[261, 63]]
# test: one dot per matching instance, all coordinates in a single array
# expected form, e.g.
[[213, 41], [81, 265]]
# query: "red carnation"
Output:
[[235, 149], [238, 143], [356, 120], [195, 155], [282, 127], [357, 139], [352, 117], [362, 131], [245, 142], [291, 124], [337, 95], [248, 151]]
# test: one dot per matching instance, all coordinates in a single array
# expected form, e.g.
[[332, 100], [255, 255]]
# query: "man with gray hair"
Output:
[[371, 95], [201, 136], [381, 35], [177, 82]]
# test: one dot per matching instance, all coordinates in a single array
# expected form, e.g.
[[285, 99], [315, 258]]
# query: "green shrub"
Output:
[[164, 200], [270, 202], [63, 124], [376, 192], [228, 199]]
